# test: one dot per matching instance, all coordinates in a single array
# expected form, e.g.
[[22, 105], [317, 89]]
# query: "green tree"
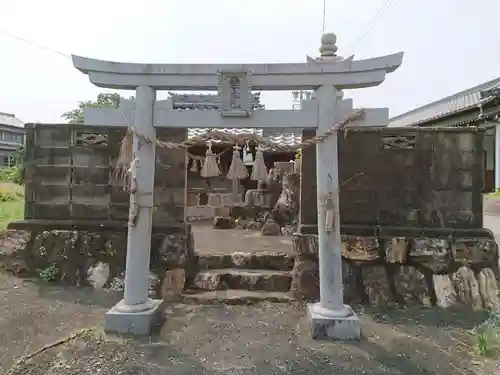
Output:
[[104, 100]]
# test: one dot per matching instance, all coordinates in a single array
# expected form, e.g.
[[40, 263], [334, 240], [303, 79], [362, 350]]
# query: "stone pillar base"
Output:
[[333, 328], [142, 323]]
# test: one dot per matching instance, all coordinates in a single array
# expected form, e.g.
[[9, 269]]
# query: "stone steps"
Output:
[[233, 297], [262, 260], [245, 279]]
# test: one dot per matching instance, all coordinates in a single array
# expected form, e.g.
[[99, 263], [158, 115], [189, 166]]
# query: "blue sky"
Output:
[[449, 45]]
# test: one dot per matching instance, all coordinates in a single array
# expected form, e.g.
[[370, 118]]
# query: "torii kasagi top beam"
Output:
[[345, 74]]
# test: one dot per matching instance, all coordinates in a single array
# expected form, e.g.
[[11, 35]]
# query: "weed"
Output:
[[487, 335], [51, 273]]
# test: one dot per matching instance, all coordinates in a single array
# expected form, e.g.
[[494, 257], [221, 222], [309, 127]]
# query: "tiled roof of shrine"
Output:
[[450, 105], [289, 137]]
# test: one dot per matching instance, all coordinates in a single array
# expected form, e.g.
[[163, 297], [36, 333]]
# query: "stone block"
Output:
[[214, 200], [350, 282], [264, 260], [209, 281], [305, 280], [433, 253], [266, 280], [227, 199], [445, 293], [469, 251], [488, 288], [261, 260], [359, 248], [288, 230], [258, 198], [193, 199], [327, 328], [249, 224], [117, 284], [173, 283], [467, 288], [396, 249], [410, 285], [203, 199], [222, 211], [175, 250], [377, 284], [142, 323], [305, 245], [200, 212], [223, 222], [238, 212], [271, 228]]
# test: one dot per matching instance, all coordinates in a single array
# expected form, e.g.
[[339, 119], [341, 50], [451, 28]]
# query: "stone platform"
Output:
[[382, 271], [377, 270], [143, 323]]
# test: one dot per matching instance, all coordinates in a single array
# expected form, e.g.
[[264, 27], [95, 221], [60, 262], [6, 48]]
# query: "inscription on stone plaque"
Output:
[[235, 93]]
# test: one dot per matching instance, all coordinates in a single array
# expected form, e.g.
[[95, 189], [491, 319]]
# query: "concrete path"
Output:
[[492, 222]]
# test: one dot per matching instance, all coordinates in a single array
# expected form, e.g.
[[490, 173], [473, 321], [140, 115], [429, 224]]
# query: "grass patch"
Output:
[[495, 194], [487, 336], [12, 174], [11, 203]]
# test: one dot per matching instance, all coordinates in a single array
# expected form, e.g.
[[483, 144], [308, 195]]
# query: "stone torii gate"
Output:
[[327, 75]]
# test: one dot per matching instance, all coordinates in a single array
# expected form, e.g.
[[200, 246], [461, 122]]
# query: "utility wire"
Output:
[[383, 8], [324, 18], [35, 44]]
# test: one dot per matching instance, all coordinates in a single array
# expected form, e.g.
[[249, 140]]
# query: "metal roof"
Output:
[[10, 119], [450, 105]]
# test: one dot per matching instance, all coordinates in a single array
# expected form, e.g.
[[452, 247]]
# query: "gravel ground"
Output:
[[263, 339], [272, 339], [32, 315]]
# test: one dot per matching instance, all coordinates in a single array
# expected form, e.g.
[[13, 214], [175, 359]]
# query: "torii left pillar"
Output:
[[137, 314]]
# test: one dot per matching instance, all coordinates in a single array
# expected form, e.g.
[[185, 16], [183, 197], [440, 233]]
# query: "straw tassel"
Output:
[[125, 157], [210, 167], [259, 170], [237, 170]]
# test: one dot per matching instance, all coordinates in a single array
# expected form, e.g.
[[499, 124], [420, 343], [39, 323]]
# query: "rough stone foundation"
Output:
[[98, 258], [423, 271]]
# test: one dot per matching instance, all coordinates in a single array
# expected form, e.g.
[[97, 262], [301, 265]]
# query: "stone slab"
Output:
[[327, 328], [142, 323]]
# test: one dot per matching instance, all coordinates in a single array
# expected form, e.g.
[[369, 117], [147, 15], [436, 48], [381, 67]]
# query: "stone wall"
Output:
[[70, 174], [98, 258], [402, 177], [425, 271]]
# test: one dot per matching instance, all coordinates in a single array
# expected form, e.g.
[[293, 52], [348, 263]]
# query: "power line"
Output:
[[324, 18], [383, 8], [35, 44]]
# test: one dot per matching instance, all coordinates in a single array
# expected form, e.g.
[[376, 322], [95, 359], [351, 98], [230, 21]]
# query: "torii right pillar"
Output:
[[330, 318]]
